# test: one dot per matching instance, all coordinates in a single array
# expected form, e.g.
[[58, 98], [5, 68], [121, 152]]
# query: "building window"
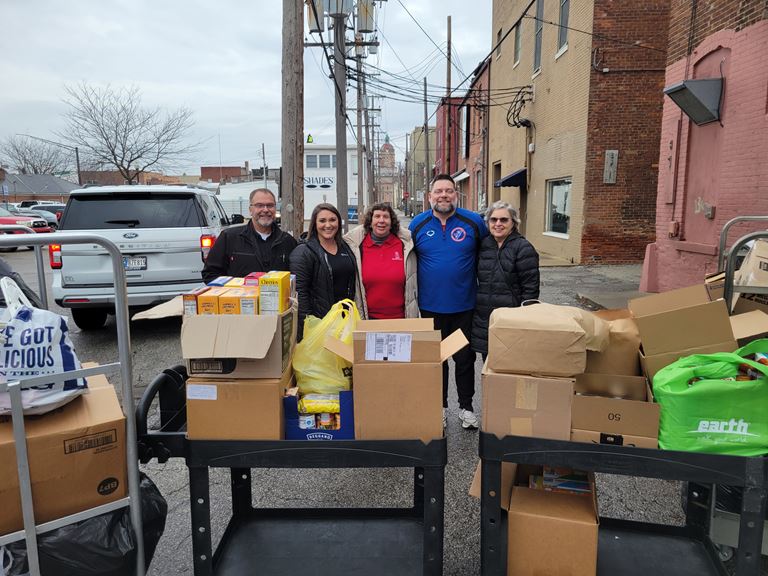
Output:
[[333, 161], [311, 160], [562, 31], [539, 23], [354, 164], [498, 43], [482, 201], [518, 39], [559, 206], [496, 178], [325, 161]]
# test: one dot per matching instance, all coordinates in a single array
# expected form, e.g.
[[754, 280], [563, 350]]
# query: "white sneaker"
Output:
[[445, 418], [469, 419]]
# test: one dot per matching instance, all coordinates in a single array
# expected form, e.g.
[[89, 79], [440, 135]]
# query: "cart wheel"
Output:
[[724, 552]]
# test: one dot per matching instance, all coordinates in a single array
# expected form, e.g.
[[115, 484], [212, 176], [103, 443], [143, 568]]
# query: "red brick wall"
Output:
[[740, 166], [448, 106], [625, 106], [709, 17], [224, 173], [477, 109]]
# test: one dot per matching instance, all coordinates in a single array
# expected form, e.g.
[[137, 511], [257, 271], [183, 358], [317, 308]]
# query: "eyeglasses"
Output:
[[502, 220], [263, 206]]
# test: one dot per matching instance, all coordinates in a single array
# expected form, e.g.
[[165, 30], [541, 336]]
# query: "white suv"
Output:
[[164, 233]]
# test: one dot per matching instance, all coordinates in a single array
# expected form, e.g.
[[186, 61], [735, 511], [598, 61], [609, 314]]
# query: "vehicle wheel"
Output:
[[724, 552], [89, 318]]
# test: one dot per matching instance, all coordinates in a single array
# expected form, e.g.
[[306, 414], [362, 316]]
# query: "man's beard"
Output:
[[265, 221], [443, 209]]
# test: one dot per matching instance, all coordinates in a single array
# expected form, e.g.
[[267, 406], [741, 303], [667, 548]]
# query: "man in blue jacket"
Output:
[[446, 240]]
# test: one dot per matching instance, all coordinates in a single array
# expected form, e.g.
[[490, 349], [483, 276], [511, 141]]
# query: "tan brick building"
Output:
[[574, 123]]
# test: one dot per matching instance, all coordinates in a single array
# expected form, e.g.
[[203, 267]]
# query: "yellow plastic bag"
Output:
[[319, 371]]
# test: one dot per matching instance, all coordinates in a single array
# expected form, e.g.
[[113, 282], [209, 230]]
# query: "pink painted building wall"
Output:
[[710, 174]]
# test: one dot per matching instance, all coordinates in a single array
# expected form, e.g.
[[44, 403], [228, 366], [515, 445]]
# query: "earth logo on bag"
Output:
[[730, 427]]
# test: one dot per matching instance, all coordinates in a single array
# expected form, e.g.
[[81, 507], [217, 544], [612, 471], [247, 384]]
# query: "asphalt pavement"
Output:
[[155, 346]]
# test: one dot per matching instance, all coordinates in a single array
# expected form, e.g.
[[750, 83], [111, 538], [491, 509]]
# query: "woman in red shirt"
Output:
[[386, 265]]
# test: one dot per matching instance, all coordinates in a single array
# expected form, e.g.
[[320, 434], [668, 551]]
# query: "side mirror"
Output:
[[237, 219]]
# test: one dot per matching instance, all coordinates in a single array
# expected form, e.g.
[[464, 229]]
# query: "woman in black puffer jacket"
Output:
[[507, 271], [324, 265]]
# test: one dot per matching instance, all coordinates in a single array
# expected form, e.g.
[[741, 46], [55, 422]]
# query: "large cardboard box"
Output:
[[236, 409], [398, 378], [624, 421], [526, 405], [76, 458], [550, 532], [543, 339], [680, 323], [620, 356], [238, 346]]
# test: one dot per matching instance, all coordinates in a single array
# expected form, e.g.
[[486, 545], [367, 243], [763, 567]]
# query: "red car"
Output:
[[37, 224]]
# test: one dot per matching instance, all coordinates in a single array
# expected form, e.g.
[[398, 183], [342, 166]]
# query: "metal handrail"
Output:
[[126, 374], [730, 265], [42, 288], [721, 253]]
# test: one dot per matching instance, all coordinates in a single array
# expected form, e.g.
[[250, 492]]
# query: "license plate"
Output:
[[135, 262]]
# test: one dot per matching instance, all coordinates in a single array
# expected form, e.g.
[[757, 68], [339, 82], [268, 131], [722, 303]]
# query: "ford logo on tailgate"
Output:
[[130, 235]]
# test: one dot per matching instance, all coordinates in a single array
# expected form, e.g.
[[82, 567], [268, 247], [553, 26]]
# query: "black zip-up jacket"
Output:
[[236, 252], [506, 276], [314, 280]]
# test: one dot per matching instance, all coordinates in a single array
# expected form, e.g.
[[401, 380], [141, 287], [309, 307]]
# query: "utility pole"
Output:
[[264, 164], [368, 155], [406, 183], [361, 206], [292, 144], [426, 143], [448, 107], [340, 80]]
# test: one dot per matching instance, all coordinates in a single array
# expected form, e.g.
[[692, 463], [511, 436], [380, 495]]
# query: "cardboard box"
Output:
[[715, 285], [252, 279], [551, 532], [208, 301], [592, 437], [398, 378], [749, 326], [236, 409], [620, 356], [652, 364], [347, 420], [274, 292], [754, 268], [243, 300], [612, 386], [235, 282], [526, 405], [615, 415], [544, 339], [190, 300], [230, 347], [76, 458], [220, 281]]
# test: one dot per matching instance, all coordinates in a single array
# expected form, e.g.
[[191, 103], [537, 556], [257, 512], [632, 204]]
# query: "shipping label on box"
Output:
[[388, 347]]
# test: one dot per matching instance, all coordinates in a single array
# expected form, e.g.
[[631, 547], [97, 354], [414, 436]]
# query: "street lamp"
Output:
[[66, 147]]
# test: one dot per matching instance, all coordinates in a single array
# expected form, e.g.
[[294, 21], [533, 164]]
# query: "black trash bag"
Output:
[[6, 270], [100, 546]]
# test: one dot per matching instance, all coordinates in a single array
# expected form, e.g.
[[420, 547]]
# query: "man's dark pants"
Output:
[[464, 358]]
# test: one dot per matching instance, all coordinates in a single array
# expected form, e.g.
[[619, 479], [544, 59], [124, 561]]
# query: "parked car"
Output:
[[163, 232], [49, 217], [37, 223], [30, 203], [56, 208]]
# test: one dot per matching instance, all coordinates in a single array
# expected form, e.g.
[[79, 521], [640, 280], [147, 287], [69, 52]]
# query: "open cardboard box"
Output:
[[618, 421], [230, 347], [397, 377], [76, 457]]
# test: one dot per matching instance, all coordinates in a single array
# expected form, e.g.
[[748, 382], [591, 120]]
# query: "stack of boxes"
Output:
[[237, 339]]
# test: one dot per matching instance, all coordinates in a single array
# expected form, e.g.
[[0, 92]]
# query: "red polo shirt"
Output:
[[384, 277]]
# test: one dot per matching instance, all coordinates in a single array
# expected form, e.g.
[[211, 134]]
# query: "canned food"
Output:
[[325, 421], [306, 421]]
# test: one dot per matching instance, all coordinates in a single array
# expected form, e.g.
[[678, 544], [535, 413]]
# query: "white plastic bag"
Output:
[[33, 343]]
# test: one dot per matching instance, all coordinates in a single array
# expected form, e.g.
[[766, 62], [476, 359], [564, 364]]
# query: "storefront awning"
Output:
[[518, 178], [460, 176]]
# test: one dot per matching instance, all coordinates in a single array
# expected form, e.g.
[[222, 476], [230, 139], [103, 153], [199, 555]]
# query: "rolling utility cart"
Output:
[[276, 542], [633, 548], [14, 388]]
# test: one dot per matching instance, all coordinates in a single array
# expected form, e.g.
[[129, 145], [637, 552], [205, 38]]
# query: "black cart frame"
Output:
[[749, 473], [244, 538]]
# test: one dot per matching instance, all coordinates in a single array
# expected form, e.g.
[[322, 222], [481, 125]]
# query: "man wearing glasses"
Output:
[[446, 240], [257, 246]]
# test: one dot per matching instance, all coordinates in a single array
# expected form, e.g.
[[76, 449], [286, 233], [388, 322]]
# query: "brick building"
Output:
[[416, 171], [223, 174], [710, 173], [387, 174], [472, 175], [448, 124], [575, 118], [115, 178]]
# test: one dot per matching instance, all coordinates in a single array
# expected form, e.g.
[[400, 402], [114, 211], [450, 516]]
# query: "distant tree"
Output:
[[31, 156], [113, 129]]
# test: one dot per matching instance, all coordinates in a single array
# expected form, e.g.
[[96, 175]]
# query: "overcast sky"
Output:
[[221, 59]]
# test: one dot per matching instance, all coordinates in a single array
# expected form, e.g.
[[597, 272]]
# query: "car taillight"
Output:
[[206, 243], [58, 214], [54, 255]]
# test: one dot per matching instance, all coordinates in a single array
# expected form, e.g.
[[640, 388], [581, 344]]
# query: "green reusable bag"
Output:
[[712, 414]]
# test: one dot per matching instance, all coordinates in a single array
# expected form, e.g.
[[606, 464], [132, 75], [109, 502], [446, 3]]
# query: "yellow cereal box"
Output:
[[274, 292], [208, 301]]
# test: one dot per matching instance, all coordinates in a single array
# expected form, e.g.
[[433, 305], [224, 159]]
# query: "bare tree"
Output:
[[32, 156], [113, 129]]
